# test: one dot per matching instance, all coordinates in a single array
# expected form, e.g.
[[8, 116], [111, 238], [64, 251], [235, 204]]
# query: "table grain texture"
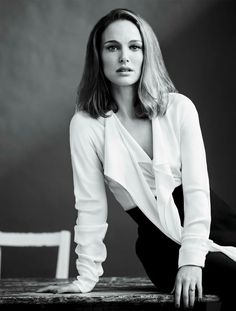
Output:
[[110, 293]]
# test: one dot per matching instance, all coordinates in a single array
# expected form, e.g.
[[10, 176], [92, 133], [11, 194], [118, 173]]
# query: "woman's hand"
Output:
[[58, 289], [188, 280]]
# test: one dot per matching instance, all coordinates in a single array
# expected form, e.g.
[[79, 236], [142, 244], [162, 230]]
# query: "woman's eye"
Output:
[[135, 47], [112, 48]]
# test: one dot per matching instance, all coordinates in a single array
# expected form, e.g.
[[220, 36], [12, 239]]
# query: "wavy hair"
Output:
[[94, 95]]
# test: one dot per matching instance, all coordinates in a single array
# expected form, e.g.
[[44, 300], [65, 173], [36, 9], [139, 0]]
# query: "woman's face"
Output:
[[122, 53]]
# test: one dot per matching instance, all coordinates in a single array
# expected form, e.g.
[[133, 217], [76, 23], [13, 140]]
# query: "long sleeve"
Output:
[[90, 202], [194, 243]]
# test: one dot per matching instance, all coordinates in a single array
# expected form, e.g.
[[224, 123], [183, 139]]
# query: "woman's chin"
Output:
[[124, 82]]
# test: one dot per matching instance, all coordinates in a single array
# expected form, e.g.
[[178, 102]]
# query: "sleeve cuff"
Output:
[[191, 257], [85, 284]]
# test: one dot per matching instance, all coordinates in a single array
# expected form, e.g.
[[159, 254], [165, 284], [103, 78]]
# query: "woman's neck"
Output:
[[125, 98]]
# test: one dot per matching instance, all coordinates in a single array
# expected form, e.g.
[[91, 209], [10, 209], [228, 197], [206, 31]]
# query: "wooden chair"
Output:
[[60, 239]]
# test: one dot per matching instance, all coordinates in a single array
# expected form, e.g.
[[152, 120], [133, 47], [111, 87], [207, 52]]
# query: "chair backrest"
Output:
[[60, 239]]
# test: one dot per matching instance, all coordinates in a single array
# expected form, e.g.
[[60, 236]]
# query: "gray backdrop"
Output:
[[42, 49]]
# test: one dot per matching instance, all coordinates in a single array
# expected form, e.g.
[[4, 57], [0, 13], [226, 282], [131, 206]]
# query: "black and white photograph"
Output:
[[117, 155]]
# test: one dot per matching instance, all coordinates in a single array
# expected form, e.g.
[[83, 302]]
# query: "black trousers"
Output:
[[159, 254]]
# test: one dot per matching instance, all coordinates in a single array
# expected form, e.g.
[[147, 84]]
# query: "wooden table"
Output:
[[111, 293]]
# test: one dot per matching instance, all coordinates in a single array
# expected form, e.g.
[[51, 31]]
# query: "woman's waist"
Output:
[[138, 216], [142, 220], [148, 233]]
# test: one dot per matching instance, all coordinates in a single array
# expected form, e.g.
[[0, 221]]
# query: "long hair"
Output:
[[154, 85]]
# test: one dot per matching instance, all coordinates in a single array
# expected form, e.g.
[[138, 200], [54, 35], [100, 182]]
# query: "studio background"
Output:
[[42, 50]]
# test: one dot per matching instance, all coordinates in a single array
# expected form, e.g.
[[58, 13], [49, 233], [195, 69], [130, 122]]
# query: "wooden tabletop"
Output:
[[110, 291]]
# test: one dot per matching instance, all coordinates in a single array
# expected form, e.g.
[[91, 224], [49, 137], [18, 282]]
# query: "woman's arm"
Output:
[[91, 204], [194, 243]]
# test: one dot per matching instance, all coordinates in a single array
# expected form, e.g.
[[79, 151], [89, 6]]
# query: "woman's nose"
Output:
[[124, 60], [124, 57]]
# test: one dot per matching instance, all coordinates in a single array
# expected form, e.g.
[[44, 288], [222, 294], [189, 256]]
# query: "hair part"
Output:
[[94, 95]]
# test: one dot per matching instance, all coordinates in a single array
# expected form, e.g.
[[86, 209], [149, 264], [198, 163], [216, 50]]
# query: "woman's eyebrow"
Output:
[[115, 41], [135, 41], [111, 41]]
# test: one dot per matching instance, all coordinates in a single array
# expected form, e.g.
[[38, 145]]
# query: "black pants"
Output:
[[159, 254]]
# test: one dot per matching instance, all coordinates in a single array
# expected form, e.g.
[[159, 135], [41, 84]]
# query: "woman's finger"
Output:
[[192, 293], [200, 290], [172, 292], [178, 290], [46, 289], [185, 294], [71, 288]]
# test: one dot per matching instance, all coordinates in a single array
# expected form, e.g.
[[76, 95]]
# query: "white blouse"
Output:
[[145, 164], [103, 151]]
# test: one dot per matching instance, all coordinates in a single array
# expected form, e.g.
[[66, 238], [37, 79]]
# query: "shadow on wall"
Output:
[[40, 60]]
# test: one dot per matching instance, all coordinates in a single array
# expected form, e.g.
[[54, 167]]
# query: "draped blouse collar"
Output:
[[121, 165]]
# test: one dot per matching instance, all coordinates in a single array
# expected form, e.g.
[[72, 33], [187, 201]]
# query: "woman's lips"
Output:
[[124, 69]]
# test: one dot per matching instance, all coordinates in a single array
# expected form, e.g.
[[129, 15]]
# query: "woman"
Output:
[[133, 131]]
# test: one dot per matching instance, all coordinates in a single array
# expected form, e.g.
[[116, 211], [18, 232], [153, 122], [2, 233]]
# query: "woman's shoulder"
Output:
[[82, 121], [87, 129], [180, 104], [180, 101]]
